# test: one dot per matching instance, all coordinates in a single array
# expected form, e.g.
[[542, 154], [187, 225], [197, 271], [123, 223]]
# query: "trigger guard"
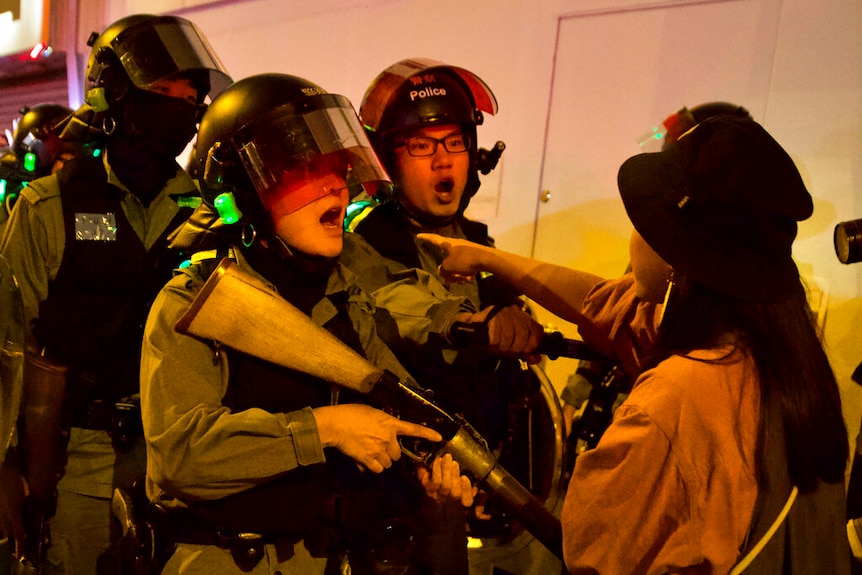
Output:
[[426, 459]]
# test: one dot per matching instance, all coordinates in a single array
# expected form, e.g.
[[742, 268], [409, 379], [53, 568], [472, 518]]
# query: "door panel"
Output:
[[617, 74]]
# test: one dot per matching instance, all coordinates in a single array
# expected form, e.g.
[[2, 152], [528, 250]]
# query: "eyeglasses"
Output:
[[424, 146]]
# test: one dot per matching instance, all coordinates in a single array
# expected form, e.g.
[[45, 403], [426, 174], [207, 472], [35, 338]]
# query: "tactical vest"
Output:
[[93, 318], [478, 386], [392, 235], [328, 504]]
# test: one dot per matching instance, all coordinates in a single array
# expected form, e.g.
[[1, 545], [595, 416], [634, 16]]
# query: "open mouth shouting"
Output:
[[444, 188], [333, 218]]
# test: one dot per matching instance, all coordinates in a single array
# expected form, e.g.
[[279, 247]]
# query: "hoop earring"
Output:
[[109, 125], [248, 235]]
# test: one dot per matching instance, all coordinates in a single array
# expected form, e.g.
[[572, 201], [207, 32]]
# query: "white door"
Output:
[[617, 73]]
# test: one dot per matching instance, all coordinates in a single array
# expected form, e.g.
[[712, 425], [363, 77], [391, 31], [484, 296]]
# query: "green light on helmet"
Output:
[[225, 204], [2, 190], [358, 206], [30, 162], [356, 212]]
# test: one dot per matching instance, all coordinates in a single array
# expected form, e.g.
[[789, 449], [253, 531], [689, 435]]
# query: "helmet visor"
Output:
[[385, 87], [150, 53], [281, 149]]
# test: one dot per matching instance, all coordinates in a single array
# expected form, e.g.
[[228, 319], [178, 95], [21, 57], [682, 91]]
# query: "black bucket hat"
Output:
[[720, 206]]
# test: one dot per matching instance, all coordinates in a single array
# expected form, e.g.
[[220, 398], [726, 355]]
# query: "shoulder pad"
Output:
[[41, 189]]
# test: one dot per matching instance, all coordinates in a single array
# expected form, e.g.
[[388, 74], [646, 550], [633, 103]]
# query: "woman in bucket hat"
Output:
[[730, 452]]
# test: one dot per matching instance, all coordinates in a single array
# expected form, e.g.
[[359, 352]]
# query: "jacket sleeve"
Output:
[[197, 448], [619, 324], [412, 305], [419, 307], [32, 244]]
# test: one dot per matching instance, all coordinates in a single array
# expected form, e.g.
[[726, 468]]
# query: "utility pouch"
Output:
[[120, 419], [246, 550], [125, 426]]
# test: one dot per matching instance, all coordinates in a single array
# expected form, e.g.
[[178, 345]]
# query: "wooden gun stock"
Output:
[[240, 311], [237, 310]]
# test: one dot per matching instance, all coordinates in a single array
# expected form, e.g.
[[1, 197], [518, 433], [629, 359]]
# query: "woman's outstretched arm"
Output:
[[558, 289]]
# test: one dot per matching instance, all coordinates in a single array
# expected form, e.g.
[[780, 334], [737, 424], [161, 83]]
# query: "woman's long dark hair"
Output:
[[796, 379]]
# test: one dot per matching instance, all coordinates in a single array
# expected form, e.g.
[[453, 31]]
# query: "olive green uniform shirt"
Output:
[[33, 244], [197, 448]]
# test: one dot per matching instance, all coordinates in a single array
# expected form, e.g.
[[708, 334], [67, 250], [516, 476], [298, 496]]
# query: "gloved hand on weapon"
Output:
[[511, 331]]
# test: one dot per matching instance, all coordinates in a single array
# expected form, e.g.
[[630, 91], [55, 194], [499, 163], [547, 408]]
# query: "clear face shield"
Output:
[[150, 53], [318, 134]]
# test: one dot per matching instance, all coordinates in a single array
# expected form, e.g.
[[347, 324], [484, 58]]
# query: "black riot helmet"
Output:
[[36, 150], [35, 141], [141, 49], [264, 134], [36, 123], [421, 92], [127, 58], [684, 119]]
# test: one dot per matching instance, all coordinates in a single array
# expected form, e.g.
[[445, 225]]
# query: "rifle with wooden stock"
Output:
[[236, 310]]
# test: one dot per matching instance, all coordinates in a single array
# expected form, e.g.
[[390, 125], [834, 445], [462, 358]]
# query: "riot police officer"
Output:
[[36, 150], [422, 115], [253, 466], [87, 247]]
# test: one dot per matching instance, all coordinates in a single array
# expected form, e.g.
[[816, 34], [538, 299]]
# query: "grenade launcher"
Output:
[[257, 327]]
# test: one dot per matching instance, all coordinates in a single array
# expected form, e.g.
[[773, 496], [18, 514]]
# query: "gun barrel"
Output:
[[253, 329], [477, 461]]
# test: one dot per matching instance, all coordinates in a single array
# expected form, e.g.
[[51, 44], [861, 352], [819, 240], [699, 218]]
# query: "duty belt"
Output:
[[185, 526], [121, 419]]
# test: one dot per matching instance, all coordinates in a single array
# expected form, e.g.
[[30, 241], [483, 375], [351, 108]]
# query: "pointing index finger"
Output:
[[430, 238], [435, 239]]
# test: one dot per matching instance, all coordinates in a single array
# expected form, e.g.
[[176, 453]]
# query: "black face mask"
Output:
[[153, 130], [160, 125]]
